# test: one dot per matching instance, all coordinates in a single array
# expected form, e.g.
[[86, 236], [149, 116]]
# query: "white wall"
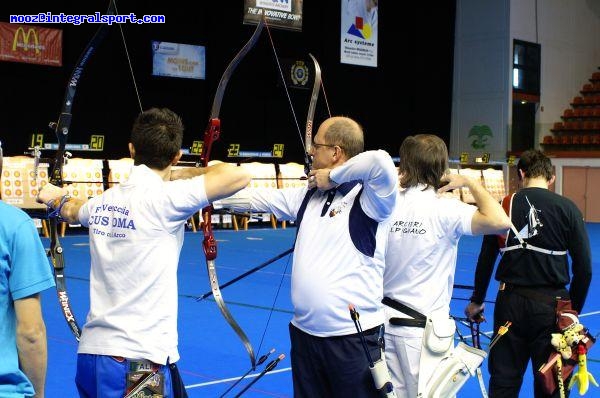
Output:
[[569, 34], [480, 76]]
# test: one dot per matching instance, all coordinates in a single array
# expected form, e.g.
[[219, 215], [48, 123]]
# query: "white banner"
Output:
[[178, 60], [359, 32], [283, 14]]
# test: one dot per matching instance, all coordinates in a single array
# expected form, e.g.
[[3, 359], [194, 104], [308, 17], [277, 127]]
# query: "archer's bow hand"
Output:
[[474, 312], [50, 192]]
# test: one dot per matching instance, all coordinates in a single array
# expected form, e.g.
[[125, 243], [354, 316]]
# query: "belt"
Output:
[[418, 320], [529, 292], [371, 331], [142, 365], [416, 323]]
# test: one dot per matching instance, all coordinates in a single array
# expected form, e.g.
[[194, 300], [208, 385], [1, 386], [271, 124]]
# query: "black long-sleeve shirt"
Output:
[[546, 220]]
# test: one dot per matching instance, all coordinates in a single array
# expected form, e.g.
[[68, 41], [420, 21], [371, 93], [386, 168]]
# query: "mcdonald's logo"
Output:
[[25, 36]]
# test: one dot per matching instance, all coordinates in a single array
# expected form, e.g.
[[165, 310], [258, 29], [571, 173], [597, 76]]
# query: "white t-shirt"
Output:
[[421, 256], [136, 232], [340, 246]]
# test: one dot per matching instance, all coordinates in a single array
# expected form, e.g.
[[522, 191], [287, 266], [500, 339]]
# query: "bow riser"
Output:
[[211, 134], [209, 244]]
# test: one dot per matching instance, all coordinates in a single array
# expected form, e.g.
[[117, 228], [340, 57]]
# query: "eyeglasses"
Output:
[[316, 146]]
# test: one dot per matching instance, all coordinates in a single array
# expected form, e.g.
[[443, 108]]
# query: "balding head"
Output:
[[344, 132]]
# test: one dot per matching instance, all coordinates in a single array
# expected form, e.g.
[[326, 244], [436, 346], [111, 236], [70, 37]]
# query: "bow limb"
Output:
[[308, 135], [61, 128], [317, 85], [209, 244], [310, 116]]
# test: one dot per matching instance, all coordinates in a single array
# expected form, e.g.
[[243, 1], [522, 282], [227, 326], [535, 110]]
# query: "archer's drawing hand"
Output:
[[454, 181], [319, 178]]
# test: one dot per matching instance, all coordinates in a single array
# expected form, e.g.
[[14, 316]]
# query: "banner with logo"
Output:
[[359, 32], [30, 44], [284, 14], [178, 60]]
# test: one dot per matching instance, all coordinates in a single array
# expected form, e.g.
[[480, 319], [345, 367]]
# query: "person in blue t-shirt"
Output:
[[24, 273]]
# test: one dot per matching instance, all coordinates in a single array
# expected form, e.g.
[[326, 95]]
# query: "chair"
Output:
[[586, 139], [570, 126]]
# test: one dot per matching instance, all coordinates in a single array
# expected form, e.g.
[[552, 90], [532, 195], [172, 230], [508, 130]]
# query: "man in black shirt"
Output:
[[533, 272]]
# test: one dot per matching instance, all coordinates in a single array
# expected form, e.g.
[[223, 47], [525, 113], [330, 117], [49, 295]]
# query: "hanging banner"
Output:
[[178, 60], [30, 44], [359, 32], [284, 14]]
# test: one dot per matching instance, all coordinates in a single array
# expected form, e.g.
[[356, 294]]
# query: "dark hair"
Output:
[[156, 137], [347, 134], [535, 164], [423, 160]]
